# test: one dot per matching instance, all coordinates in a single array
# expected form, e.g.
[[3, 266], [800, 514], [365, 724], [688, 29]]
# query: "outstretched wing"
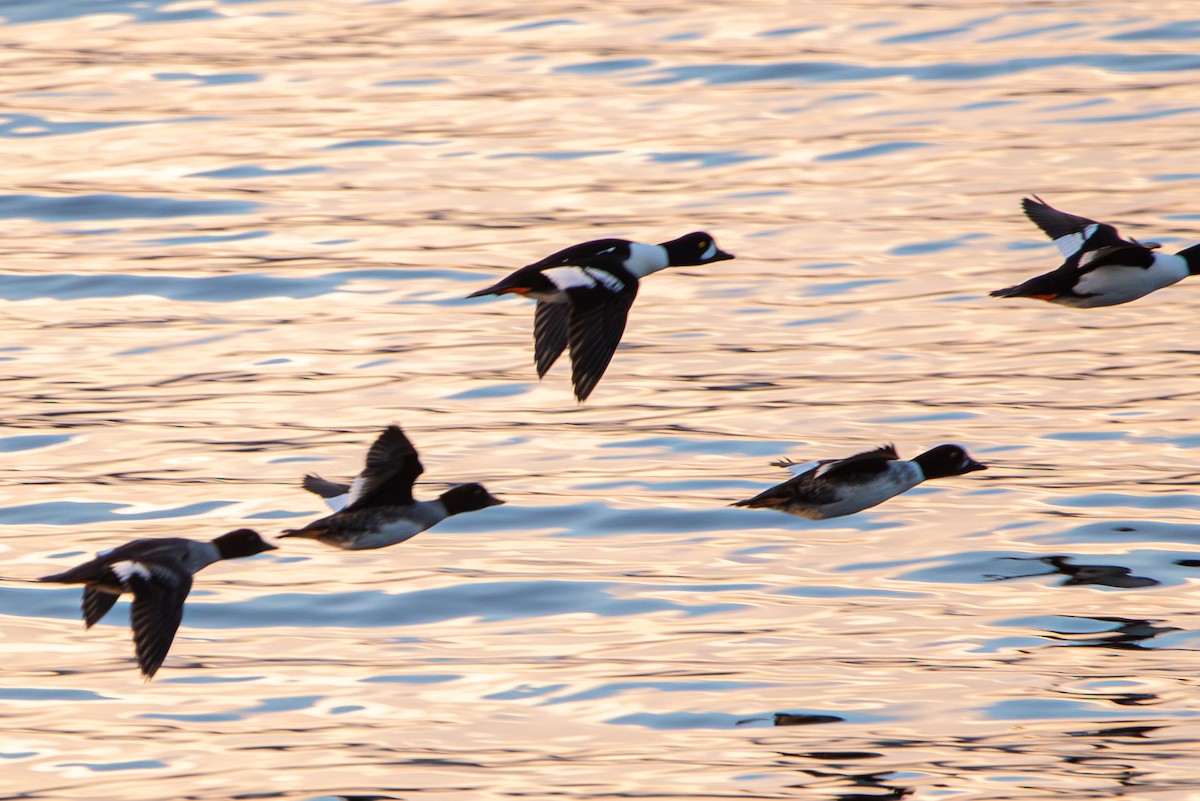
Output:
[[392, 467], [859, 467], [597, 322], [96, 604], [550, 323], [157, 609], [1072, 235], [323, 487]]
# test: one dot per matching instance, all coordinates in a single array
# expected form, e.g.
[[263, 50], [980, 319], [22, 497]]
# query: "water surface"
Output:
[[239, 235]]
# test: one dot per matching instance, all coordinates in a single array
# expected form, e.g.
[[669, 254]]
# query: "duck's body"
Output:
[[1100, 268], [584, 294], [837, 487], [377, 509], [158, 573]]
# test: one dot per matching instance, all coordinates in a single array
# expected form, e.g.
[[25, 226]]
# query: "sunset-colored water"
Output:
[[237, 240]]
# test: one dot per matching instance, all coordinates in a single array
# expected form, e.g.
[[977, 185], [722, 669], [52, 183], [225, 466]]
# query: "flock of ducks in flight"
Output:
[[584, 294]]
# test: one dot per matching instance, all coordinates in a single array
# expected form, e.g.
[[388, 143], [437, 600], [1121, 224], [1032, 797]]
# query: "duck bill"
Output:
[[494, 501], [974, 465], [721, 255]]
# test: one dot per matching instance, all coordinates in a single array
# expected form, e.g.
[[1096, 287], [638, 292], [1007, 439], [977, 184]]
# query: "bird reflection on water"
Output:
[[1101, 575]]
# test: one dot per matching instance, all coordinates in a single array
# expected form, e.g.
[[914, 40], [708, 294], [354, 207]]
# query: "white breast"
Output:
[[899, 477], [200, 555], [417, 517], [645, 259], [390, 534], [1116, 284]]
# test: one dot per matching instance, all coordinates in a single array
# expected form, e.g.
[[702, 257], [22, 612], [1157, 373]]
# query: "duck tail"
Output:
[[304, 533], [765, 500]]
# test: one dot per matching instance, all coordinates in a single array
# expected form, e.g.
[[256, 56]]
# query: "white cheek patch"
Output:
[[712, 251], [127, 570]]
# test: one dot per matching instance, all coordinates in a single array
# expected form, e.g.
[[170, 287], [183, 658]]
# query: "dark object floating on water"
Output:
[[789, 719], [795, 719]]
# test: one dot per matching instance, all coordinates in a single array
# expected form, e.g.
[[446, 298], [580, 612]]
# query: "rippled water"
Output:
[[238, 236]]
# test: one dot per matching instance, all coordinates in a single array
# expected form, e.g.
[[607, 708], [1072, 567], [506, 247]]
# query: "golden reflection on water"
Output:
[[614, 629]]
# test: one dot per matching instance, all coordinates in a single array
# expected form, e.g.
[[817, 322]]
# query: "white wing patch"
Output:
[[338, 502], [127, 570], [583, 277], [1070, 244], [568, 277], [356, 491], [801, 468], [605, 279]]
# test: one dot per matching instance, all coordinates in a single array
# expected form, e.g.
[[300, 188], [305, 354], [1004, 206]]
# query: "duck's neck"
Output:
[[645, 259], [1192, 257]]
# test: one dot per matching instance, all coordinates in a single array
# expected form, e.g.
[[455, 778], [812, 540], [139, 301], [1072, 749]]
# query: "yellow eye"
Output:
[[702, 245]]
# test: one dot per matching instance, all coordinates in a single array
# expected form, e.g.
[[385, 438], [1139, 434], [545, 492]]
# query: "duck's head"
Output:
[[694, 248], [468, 498], [240, 543]]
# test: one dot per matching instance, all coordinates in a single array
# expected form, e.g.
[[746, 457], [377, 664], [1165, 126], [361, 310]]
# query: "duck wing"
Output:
[[598, 317], [859, 467], [550, 324], [95, 605], [392, 467], [157, 610], [1072, 235]]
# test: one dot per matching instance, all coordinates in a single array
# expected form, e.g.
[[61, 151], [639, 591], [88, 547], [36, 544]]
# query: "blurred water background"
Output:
[[237, 237]]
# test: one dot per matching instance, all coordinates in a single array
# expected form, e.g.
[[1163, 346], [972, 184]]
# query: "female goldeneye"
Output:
[[584, 294], [836, 487], [159, 574], [379, 508], [1101, 268]]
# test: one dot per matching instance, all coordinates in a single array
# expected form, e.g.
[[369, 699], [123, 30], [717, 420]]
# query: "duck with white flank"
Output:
[[379, 509], [1101, 268], [158, 572], [584, 294], [836, 487]]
